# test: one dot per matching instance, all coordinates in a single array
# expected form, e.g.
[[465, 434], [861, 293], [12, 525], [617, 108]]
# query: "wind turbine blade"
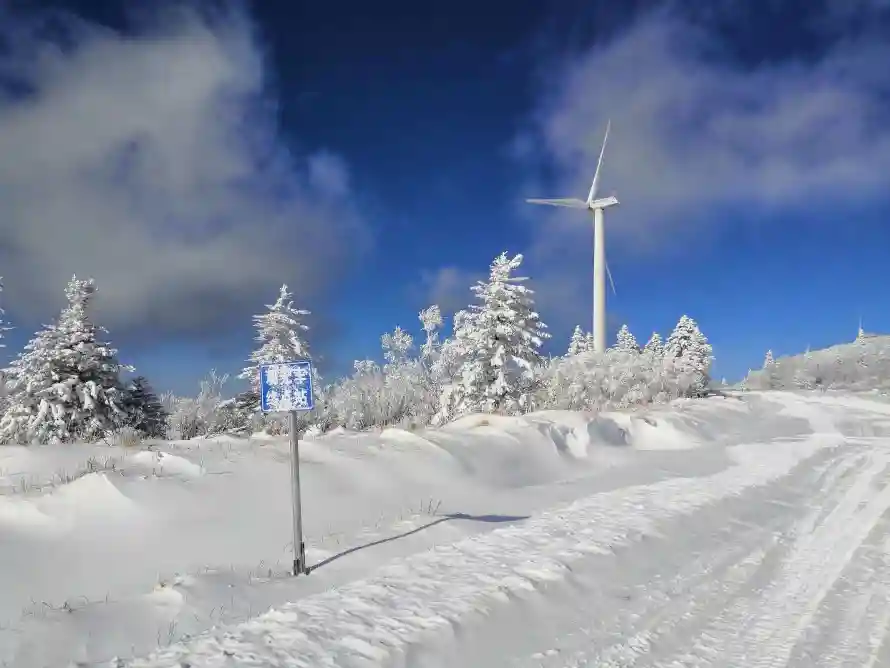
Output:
[[599, 163], [572, 203], [611, 282]]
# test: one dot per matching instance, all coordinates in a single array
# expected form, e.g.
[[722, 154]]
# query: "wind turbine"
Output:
[[596, 207]]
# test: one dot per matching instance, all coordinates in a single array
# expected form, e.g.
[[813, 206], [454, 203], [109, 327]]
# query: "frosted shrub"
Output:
[[374, 396], [614, 379], [126, 437], [204, 415]]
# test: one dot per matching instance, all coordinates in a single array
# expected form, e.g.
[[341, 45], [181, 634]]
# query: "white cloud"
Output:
[[696, 140], [693, 133], [329, 174], [151, 162], [449, 287]]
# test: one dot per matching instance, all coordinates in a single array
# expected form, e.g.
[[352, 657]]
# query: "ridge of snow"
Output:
[[370, 620]]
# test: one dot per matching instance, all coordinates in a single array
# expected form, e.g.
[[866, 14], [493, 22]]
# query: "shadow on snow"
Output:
[[498, 519]]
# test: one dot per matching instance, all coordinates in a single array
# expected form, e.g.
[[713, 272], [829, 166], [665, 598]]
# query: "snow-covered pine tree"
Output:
[[500, 339], [280, 334], [147, 414], [625, 341], [66, 384], [768, 360], [654, 346], [689, 353], [579, 342]]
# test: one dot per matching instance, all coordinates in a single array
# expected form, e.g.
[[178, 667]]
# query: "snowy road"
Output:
[[781, 559]]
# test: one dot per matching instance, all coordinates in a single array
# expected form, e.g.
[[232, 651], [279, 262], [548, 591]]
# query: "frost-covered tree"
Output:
[[654, 346], [280, 333], [147, 414], [397, 347], [451, 354], [499, 340], [625, 341], [689, 353], [579, 343], [4, 327], [768, 360], [66, 384], [431, 321], [600, 381]]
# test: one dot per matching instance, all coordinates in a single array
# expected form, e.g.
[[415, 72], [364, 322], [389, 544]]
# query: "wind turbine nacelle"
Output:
[[604, 202]]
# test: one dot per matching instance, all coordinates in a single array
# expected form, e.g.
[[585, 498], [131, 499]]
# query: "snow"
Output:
[[727, 531]]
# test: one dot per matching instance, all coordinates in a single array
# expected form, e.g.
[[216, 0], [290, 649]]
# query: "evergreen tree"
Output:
[[689, 353], [147, 414], [768, 361], [499, 340], [579, 343], [655, 346], [280, 334], [625, 341], [66, 383]]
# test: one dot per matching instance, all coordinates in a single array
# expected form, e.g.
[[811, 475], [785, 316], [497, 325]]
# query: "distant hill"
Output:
[[859, 366]]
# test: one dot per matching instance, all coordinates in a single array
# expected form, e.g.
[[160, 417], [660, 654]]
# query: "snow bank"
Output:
[[369, 621], [110, 552]]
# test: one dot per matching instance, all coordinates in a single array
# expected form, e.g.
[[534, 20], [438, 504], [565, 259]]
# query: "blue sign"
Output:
[[286, 386]]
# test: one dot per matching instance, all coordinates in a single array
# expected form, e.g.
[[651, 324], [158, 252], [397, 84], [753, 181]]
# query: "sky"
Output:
[[194, 156]]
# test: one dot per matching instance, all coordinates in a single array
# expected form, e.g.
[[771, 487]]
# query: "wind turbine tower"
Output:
[[596, 207]]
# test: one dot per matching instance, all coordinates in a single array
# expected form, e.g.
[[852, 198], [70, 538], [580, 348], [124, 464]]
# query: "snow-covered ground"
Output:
[[723, 532]]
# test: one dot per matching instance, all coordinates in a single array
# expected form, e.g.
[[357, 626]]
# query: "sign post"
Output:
[[287, 387]]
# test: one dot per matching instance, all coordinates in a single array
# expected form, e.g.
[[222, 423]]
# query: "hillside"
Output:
[[862, 365]]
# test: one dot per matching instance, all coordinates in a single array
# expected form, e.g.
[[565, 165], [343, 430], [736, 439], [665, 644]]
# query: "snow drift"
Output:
[[108, 552]]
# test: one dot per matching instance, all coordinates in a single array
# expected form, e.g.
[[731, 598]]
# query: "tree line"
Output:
[[67, 383]]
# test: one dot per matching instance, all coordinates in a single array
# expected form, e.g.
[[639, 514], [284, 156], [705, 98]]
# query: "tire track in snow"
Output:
[[676, 607], [851, 628], [763, 629]]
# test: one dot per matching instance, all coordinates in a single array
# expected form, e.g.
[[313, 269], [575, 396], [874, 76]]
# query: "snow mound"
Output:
[[162, 463], [91, 498], [393, 434], [661, 432], [17, 514], [479, 421], [570, 432]]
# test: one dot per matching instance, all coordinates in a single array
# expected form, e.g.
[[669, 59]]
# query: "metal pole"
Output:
[[297, 512]]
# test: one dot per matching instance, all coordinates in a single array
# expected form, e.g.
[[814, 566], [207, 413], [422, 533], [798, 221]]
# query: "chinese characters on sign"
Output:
[[286, 386]]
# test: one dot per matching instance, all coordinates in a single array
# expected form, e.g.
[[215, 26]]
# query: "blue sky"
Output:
[[377, 157]]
